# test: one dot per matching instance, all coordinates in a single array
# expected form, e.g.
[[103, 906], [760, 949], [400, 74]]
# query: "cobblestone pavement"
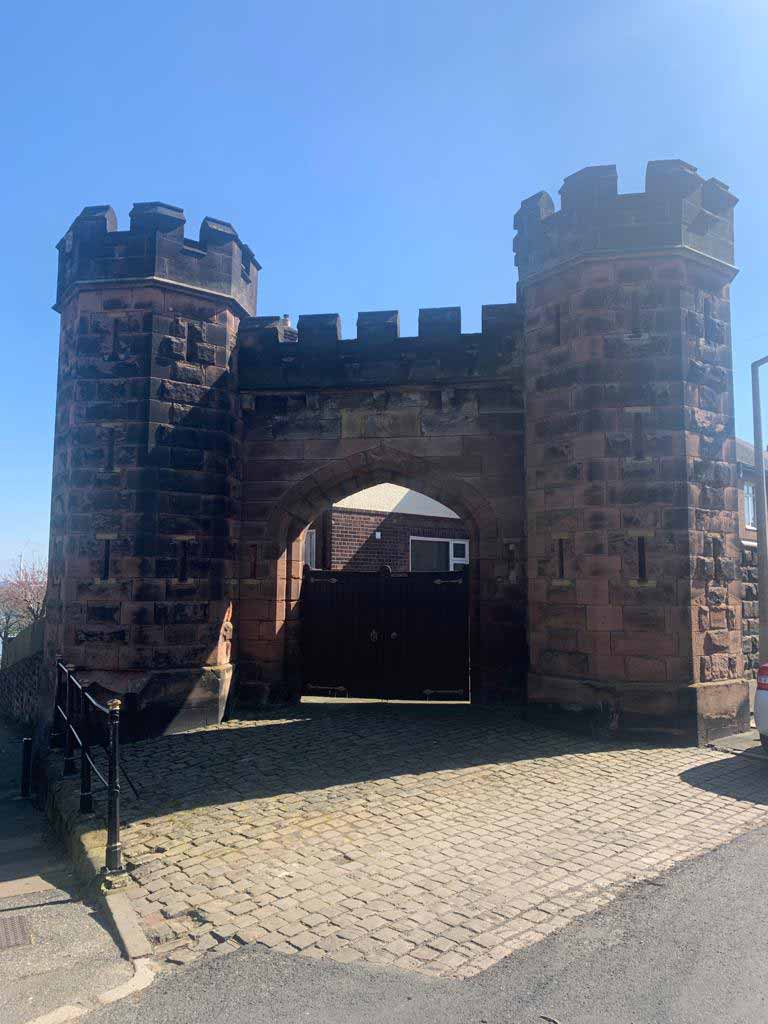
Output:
[[436, 839]]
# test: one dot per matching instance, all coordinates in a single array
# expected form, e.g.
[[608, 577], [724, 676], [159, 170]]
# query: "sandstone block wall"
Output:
[[585, 432], [631, 485], [325, 417], [145, 508], [750, 613]]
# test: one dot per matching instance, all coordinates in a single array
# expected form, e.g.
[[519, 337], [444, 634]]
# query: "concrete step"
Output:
[[746, 743]]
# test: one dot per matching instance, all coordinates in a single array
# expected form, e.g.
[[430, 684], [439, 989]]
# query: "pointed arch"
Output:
[[381, 463], [269, 658]]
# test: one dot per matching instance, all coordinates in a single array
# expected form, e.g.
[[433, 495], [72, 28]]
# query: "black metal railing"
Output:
[[83, 727]]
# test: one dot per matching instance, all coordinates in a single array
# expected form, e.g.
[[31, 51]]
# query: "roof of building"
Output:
[[394, 498], [745, 453]]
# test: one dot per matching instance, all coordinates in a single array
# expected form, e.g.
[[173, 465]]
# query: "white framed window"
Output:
[[438, 554], [750, 519], [310, 549]]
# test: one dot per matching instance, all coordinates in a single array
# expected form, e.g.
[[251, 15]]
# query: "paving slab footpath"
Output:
[[58, 951]]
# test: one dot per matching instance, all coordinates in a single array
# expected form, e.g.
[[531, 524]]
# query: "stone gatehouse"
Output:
[[584, 436]]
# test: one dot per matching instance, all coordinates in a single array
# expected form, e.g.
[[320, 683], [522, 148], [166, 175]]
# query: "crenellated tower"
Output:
[[632, 508], [585, 432], [146, 479]]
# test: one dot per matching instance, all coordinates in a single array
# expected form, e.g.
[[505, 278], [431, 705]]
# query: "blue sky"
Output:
[[372, 154]]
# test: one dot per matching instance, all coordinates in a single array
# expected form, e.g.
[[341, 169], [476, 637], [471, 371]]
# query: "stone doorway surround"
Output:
[[270, 611]]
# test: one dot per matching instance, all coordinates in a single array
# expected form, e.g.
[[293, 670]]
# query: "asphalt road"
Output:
[[689, 948]]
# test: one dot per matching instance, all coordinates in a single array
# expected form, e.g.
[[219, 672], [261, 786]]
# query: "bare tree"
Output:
[[26, 585], [10, 617]]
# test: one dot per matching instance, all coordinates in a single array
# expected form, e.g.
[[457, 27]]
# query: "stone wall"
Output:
[[586, 432], [145, 508], [750, 613], [26, 643], [19, 689], [323, 417], [631, 475]]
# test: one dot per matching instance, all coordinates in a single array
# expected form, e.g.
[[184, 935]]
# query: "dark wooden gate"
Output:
[[392, 636]]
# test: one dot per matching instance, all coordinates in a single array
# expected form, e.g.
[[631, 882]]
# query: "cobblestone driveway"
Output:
[[437, 839]]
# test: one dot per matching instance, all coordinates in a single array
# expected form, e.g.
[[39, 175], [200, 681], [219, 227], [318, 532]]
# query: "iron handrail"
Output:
[[76, 682], [73, 703], [103, 746]]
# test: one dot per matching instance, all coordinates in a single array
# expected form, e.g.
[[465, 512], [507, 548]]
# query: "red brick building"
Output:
[[387, 525]]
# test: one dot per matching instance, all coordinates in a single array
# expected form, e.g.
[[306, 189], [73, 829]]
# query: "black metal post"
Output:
[[26, 767], [57, 732], [86, 796], [114, 846], [69, 739]]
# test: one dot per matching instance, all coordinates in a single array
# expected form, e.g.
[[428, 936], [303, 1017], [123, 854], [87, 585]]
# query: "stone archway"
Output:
[[269, 616]]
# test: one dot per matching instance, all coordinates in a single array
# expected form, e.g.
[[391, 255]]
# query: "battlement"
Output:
[[94, 251], [314, 353], [679, 209]]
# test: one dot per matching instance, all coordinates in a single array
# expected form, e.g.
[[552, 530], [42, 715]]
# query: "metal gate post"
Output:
[[114, 846], [26, 767], [69, 739], [86, 795]]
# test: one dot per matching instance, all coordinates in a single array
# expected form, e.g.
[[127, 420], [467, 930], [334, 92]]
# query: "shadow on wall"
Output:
[[147, 536]]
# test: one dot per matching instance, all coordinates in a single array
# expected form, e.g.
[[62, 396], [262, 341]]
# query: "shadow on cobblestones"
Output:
[[321, 745], [739, 778], [438, 839]]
